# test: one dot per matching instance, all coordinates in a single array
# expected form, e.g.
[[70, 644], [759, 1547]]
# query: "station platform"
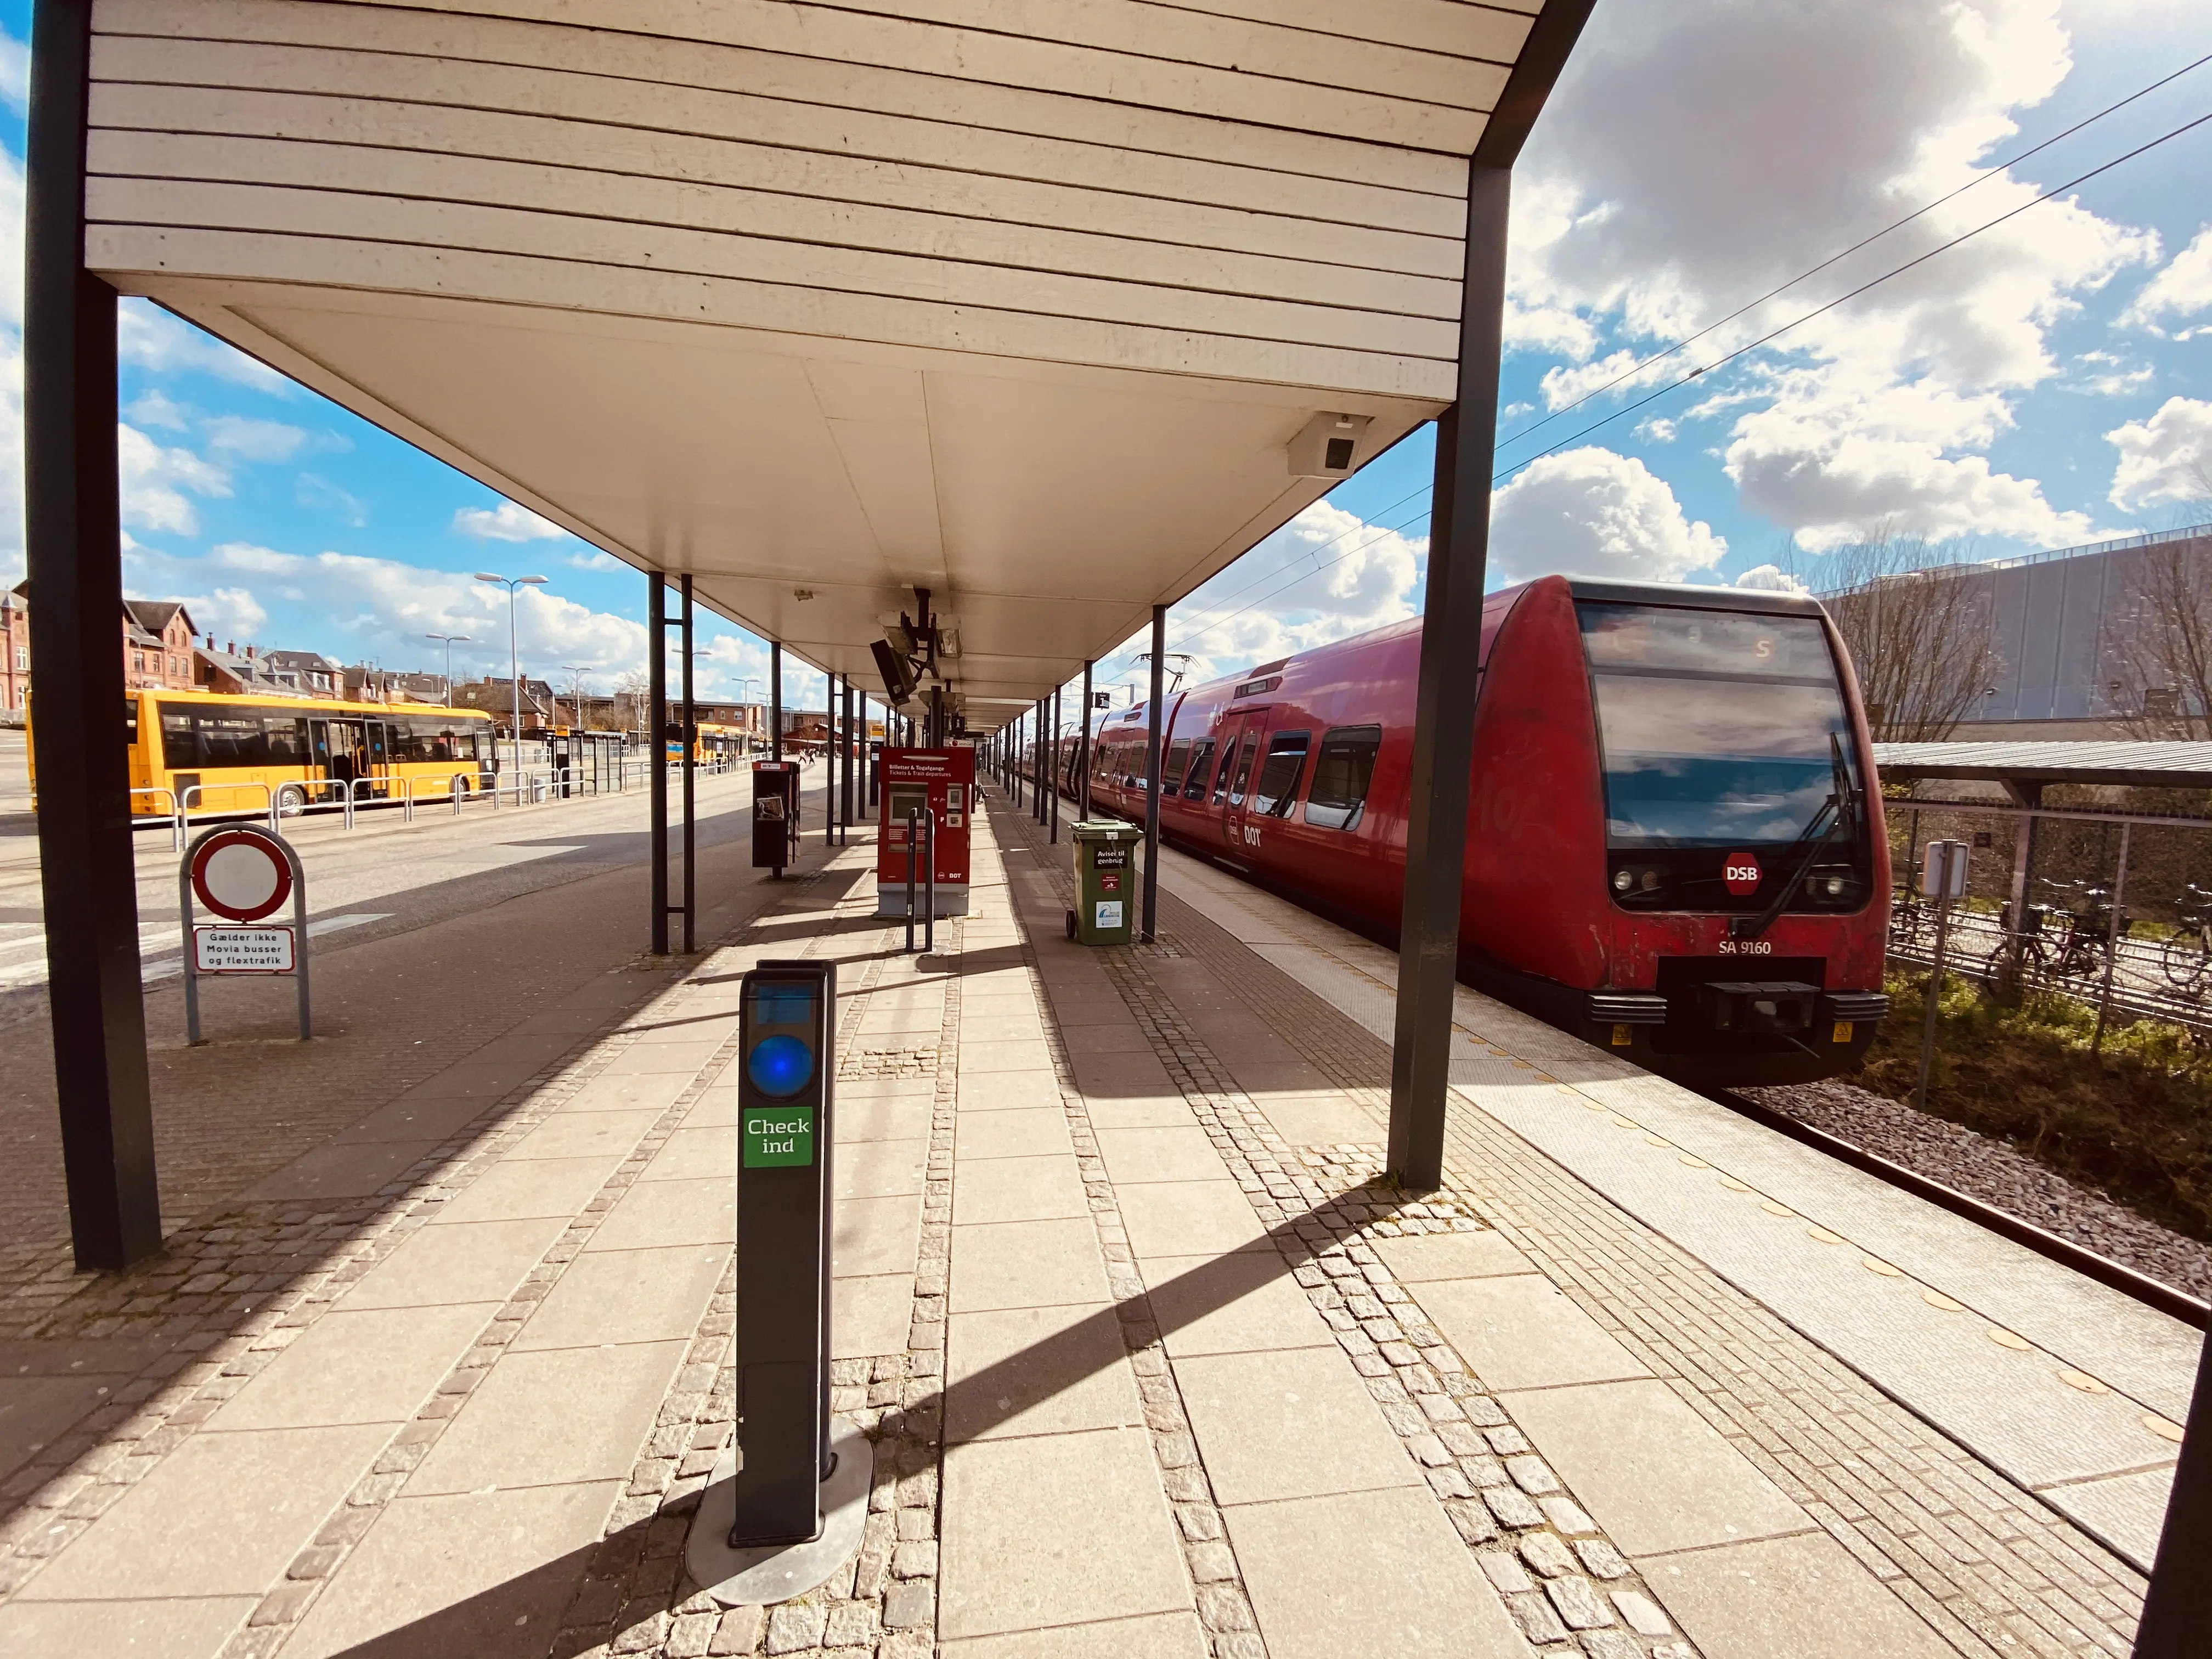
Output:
[[1154, 1363]]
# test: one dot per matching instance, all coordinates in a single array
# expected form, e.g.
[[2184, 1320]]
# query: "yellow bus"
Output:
[[243, 752], [709, 743]]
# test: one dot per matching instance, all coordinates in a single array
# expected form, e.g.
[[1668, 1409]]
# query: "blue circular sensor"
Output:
[[779, 1065]]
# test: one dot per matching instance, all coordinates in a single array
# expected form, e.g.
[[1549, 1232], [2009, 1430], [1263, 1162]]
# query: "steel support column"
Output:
[[1152, 738], [775, 699], [1083, 753], [690, 769], [1443, 717], [72, 518], [1054, 829], [1037, 762], [656, 698], [2177, 1607]]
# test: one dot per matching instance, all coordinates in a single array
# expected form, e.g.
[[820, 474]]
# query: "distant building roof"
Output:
[[155, 615], [2167, 765]]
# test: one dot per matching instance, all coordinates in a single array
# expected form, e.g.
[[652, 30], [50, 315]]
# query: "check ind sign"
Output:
[[778, 1136]]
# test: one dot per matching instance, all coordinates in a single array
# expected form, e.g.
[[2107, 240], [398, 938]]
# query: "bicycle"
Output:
[[2186, 958], [1908, 920], [2056, 942]]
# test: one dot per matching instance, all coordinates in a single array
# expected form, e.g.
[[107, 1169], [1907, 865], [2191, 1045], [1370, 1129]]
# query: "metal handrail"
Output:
[[176, 823], [268, 794]]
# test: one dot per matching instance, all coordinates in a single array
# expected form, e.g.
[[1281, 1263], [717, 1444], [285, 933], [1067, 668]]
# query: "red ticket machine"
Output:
[[935, 781]]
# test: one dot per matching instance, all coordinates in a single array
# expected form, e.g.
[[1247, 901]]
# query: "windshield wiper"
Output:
[[1843, 802]]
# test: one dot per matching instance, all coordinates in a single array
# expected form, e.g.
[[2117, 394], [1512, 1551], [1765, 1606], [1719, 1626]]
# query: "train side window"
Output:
[[1221, 778], [1201, 771], [1171, 775], [1245, 753], [1341, 775], [1279, 774]]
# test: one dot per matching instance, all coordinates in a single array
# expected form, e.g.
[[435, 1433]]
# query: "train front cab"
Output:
[[1651, 766]]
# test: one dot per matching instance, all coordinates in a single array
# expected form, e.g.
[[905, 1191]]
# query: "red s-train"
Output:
[[1672, 850]]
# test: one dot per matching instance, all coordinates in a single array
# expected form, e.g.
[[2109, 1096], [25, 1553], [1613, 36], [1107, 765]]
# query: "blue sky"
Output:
[[2047, 382]]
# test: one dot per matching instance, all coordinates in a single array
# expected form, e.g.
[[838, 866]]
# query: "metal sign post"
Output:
[[243, 874], [787, 1044], [1942, 878]]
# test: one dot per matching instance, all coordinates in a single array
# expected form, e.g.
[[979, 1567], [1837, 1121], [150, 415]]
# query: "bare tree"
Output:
[[2167, 653], [630, 688], [1921, 636]]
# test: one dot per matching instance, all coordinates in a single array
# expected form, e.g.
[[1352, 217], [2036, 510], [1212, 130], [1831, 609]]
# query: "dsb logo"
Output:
[[1740, 873]]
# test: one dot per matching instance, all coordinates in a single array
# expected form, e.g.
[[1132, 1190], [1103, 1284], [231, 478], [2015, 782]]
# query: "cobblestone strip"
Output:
[[1571, 1591], [636, 1598], [242, 1289], [1989, 1566]]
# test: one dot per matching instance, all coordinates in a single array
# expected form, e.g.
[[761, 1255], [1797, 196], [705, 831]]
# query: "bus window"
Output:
[[1339, 797], [1278, 775]]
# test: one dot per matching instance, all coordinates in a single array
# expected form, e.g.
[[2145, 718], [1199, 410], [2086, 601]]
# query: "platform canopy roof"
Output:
[[2166, 765], [1022, 303]]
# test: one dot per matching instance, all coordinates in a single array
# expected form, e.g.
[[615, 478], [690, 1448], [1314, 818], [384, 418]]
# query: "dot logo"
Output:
[[1739, 873]]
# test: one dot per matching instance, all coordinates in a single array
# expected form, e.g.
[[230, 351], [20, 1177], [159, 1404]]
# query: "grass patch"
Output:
[[2134, 1122]]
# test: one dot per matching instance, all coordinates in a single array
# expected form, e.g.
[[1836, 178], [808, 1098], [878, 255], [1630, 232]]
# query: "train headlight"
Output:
[[1832, 887], [1651, 881], [1623, 880]]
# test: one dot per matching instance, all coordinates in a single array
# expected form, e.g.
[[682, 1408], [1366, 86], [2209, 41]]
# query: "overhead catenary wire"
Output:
[[1765, 339], [1996, 170]]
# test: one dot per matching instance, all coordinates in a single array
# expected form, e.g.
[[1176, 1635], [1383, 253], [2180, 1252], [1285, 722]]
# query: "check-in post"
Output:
[[787, 1040]]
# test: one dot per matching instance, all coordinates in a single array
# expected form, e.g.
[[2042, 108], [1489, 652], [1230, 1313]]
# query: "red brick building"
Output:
[[14, 658], [157, 646]]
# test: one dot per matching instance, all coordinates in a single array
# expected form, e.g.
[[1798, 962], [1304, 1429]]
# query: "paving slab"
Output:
[[652, 1213], [1046, 1189], [696, 1152], [1290, 1423], [1243, 1302], [584, 1134], [468, 1261], [1026, 1134], [625, 1295], [1521, 1332], [1008, 1092], [1190, 1217], [1051, 1530], [530, 1190], [341, 1170], [875, 1169], [157, 1539], [1175, 1152], [859, 1118], [1037, 1370], [628, 1091], [1420, 1258], [1803, 1597], [1155, 1636], [869, 1236], [871, 1315], [414, 1118], [1656, 1475], [1369, 1573], [1328, 1119], [1026, 1264], [472, 1576], [174, 1627], [374, 1365], [522, 1426]]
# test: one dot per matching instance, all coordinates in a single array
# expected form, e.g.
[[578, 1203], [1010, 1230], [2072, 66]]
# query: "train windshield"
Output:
[[1716, 726]]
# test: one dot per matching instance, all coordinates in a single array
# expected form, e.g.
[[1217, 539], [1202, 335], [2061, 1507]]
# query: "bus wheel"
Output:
[[291, 801]]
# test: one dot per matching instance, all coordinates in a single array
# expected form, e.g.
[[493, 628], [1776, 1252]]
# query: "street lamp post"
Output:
[[575, 690], [514, 586], [451, 639]]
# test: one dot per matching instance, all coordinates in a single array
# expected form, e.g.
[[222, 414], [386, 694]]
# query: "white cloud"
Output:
[[1657, 431], [1770, 578], [153, 407], [594, 559], [154, 339], [1592, 513], [154, 478], [251, 439], [2183, 288], [231, 614], [321, 493], [507, 522], [2167, 458], [1696, 153], [1325, 574], [1548, 328], [2105, 375], [14, 72]]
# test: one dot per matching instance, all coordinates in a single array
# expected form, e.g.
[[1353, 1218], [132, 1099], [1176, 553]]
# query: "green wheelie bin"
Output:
[[1107, 863]]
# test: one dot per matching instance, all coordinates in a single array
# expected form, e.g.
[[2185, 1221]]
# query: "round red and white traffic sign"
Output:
[[241, 874]]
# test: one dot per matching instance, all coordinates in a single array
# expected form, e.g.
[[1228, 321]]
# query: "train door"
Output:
[[1233, 784]]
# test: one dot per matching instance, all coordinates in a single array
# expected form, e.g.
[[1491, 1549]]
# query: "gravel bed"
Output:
[[1999, 1174]]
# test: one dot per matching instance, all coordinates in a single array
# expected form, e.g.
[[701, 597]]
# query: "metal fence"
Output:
[[2111, 910]]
